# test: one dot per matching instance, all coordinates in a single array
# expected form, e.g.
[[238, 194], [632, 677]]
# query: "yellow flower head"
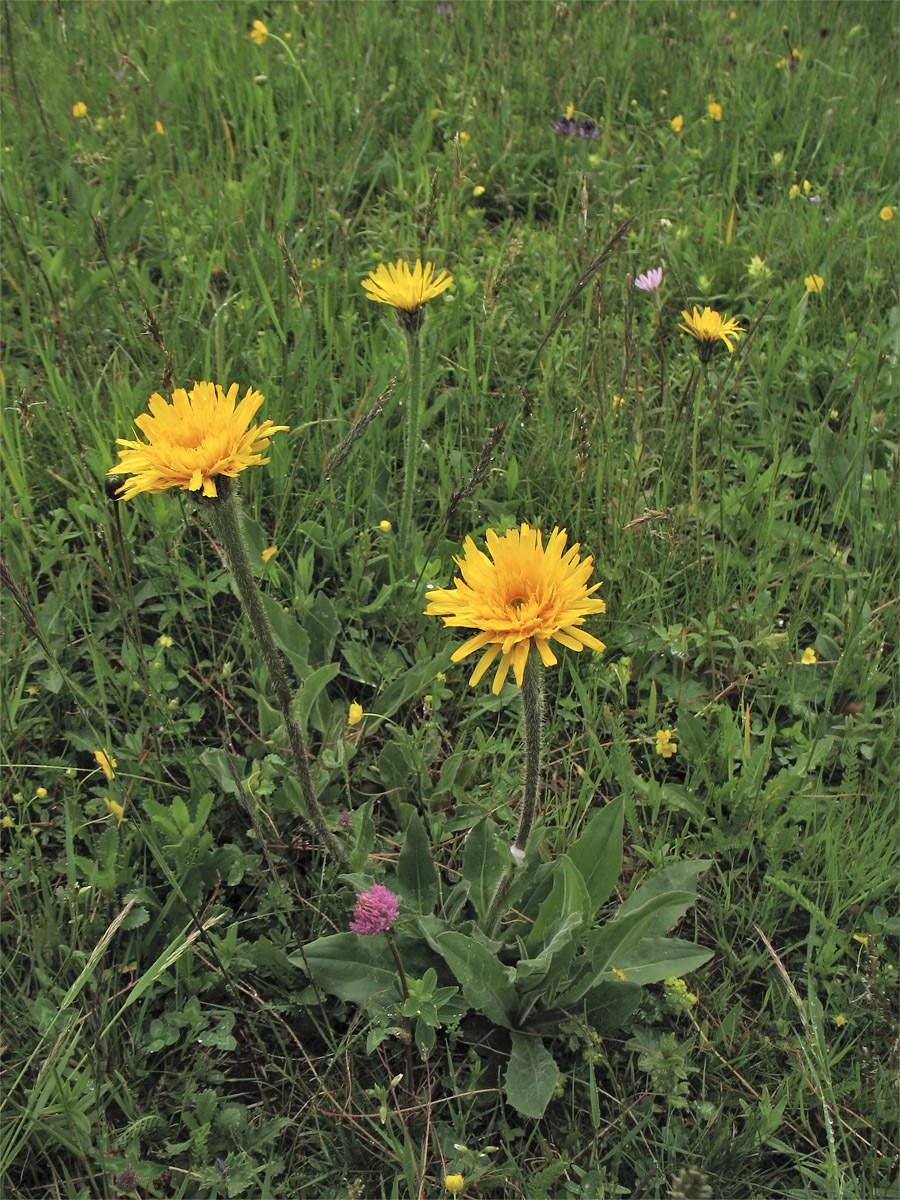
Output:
[[887, 213], [478, 191], [41, 793], [570, 109], [521, 594], [107, 763], [809, 657], [160, 128], [269, 552], [807, 187], [79, 109], [715, 110], [664, 744], [794, 191], [355, 715], [200, 435], [454, 1184], [708, 328], [385, 526], [395, 284], [677, 123], [814, 283], [259, 32]]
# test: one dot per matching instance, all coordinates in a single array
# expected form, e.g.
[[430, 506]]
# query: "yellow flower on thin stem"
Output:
[[814, 283], [454, 1184], [356, 714], [521, 594], [708, 328], [404, 289], [715, 110], [259, 32], [677, 123], [79, 109], [887, 213], [201, 435], [116, 809], [809, 657]]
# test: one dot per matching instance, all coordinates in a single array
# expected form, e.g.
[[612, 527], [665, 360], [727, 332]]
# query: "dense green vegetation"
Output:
[[180, 203]]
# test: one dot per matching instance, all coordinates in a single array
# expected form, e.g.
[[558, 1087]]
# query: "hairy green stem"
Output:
[[224, 513], [532, 694], [413, 419]]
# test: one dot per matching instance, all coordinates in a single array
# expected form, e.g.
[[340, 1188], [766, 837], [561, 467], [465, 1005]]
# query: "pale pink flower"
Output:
[[650, 280], [376, 911]]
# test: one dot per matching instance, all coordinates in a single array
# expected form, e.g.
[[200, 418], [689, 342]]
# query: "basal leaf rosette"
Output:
[[517, 594], [200, 435]]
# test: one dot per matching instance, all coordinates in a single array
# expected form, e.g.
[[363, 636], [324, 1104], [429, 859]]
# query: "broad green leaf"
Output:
[[680, 878], [313, 684], [482, 864], [598, 852], [530, 1077], [656, 958], [292, 639], [348, 966], [605, 946], [568, 895], [417, 876], [483, 978], [364, 829], [609, 1005], [530, 971]]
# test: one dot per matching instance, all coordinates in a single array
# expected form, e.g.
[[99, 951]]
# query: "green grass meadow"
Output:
[[210, 215]]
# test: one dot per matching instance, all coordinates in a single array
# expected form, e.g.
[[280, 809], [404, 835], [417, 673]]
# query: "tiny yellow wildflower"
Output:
[[715, 110], [31, 690], [160, 128], [116, 809], [809, 657], [356, 714], [840, 1020], [269, 552], [620, 975], [385, 526], [79, 109], [781, 64], [677, 123], [259, 32], [165, 640], [454, 1184], [107, 763], [862, 938], [814, 283], [617, 402], [8, 822], [807, 187], [664, 744], [41, 793], [463, 138], [887, 213], [478, 191], [794, 192], [570, 108]]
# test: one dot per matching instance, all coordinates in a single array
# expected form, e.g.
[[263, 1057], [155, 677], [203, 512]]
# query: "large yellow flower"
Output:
[[708, 328], [200, 435], [521, 594], [396, 285]]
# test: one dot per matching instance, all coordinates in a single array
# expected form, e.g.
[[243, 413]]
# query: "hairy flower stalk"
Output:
[[224, 515], [200, 442], [407, 291], [413, 418], [532, 693]]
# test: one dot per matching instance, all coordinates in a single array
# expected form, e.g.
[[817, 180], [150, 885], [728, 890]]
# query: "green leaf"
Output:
[[364, 828], [568, 895], [484, 980], [530, 1077], [417, 876], [348, 966], [598, 852], [482, 864], [313, 684], [680, 878], [530, 971], [605, 946], [656, 958]]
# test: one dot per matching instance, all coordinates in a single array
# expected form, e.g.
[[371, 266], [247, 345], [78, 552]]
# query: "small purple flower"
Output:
[[376, 911], [445, 10], [650, 280], [564, 125], [814, 199], [588, 129]]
